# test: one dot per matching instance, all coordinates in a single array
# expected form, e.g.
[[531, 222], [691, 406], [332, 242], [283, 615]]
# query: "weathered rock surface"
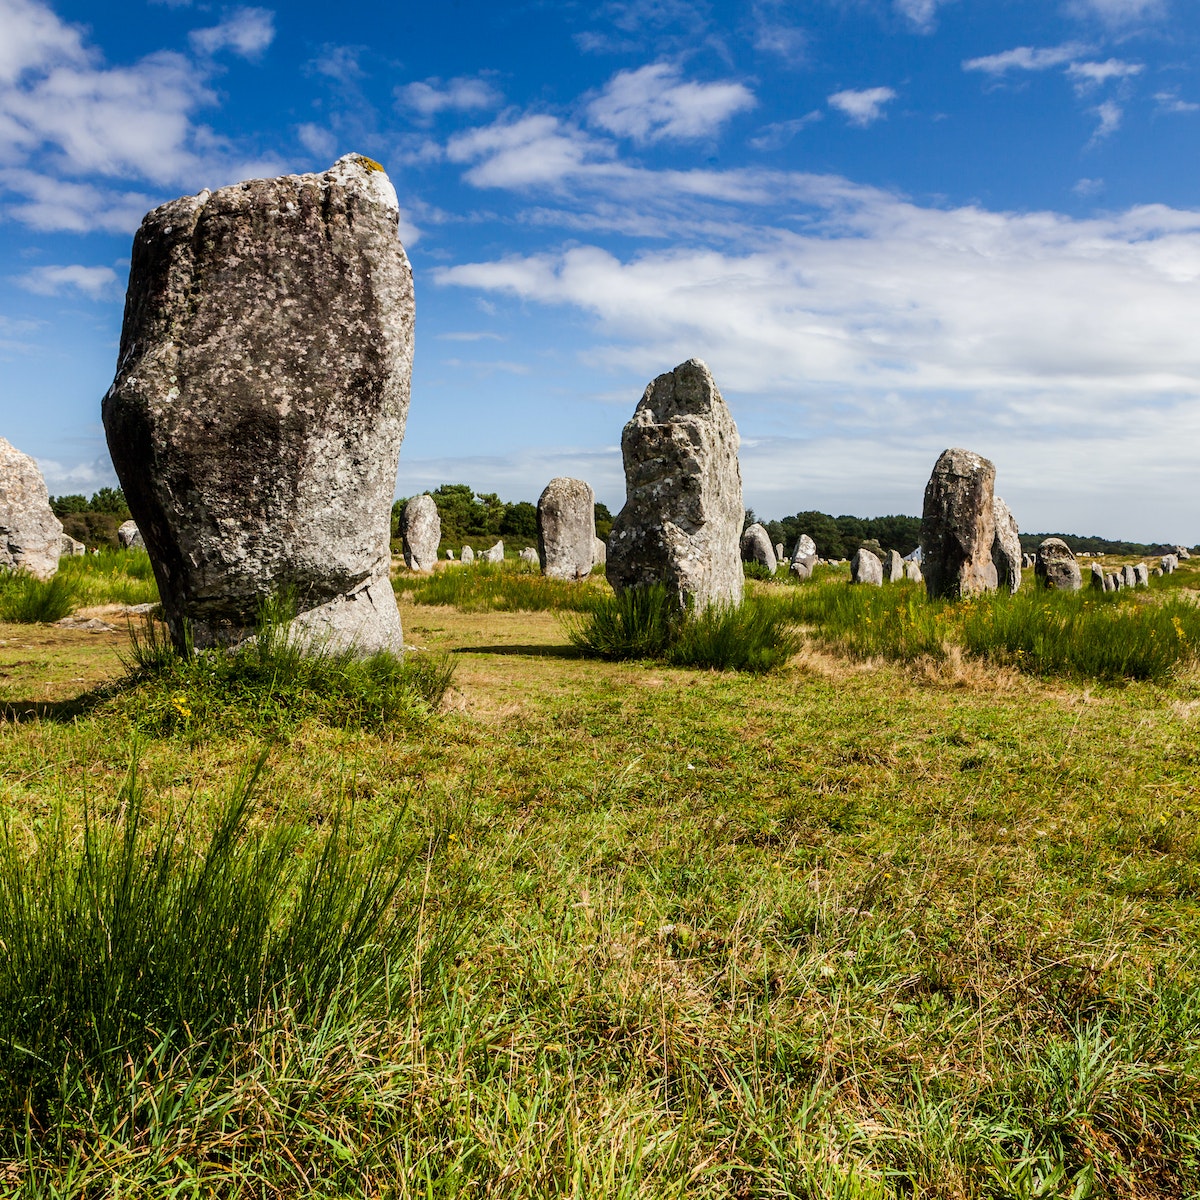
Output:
[[71, 548], [1097, 581], [130, 536], [529, 555], [31, 536], [467, 555], [683, 513], [866, 568], [1181, 553], [1056, 566], [893, 566], [1113, 582], [802, 568], [756, 547], [958, 526], [566, 529], [599, 551], [494, 554], [449, 554], [420, 532], [1169, 564], [260, 399], [912, 570], [804, 547], [1141, 575], [1128, 579], [779, 555], [1006, 546]]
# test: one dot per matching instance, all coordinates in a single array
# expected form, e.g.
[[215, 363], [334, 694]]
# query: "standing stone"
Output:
[[1157, 572], [421, 532], [467, 555], [1128, 579], [449, 555], [1181, 553], [130, 536], [1056, 567], [756, 547], [778, 551], [893, 566], [1169, 564], [260, 399], [802, 568], [529, 555], [683, 513], [866, 568], [599, 551], [805, 547], [1114, 582], [1098, 577], [71, 548], [1141, 575], [493, 555], [30, 534], [566, 529], [1006, 547], [958, 526], [912, 570]]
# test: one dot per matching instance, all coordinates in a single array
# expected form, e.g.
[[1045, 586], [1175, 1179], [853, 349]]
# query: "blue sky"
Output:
[[888, 226]]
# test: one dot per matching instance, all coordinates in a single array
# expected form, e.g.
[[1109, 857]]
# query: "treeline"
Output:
[[480, 519], [1096, 545], [840, 537], [94, 522]]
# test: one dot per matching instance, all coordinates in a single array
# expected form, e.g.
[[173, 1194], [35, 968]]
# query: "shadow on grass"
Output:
[[57, 712], [522, 651]]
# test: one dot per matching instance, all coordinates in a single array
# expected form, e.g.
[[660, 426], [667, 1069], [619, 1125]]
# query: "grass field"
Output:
[[871, 925]]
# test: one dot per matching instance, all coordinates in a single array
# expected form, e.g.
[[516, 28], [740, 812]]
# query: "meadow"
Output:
[[914, 914]]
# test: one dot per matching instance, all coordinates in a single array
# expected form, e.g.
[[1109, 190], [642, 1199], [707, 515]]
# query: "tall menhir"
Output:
[[260, 399]]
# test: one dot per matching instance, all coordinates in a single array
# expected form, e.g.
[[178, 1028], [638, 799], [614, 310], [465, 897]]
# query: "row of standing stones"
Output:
[[259, 405]]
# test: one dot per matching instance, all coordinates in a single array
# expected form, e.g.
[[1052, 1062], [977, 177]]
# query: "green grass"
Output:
[[497, 587], [26, 600], [143, 955], [273, 682], [111, 577], [1112, 636], [645, 623]]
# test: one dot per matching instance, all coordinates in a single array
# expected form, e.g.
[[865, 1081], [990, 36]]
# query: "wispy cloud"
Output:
[[862, 108], [921, 14], [1108, 115], [94, 282], [655, 103], [246, 32], [536, 149], [1169, 102], [1089, 75], [429, 97], [1118, 12], [779, 133], [1026, 58]]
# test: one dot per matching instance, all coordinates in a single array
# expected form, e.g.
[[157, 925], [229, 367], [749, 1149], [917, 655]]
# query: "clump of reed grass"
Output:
[[497, 587], [111, 577], [27, 600], [275, 680], [648, 622], [144, 957]]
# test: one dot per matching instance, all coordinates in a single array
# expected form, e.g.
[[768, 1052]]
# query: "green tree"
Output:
[[110, 500], [64, 506], [604, 521]]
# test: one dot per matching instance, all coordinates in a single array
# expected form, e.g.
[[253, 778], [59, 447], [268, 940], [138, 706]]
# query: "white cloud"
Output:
[[789, 42], [1108, 116], [864, 107], [93, 282], [530, 150], [921, 13], [1118, 12], [1087, 75], [655, 104], [317, 140], [1025, 58], [431, 96], [49, 204], [1088, 187], [772, 137], [247, 32], [1169, 102]]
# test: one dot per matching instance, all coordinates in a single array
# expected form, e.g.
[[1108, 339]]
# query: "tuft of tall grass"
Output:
[[140, 951], [274, 680], [27, 600], [112, 577], [497, 587], [647, 622]]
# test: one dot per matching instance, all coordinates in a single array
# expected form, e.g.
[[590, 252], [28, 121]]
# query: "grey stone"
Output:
[[529, 555], [779, 555], [449, 554], [804, 547], [802, 568], [1181, 553], [1097, 580], [866, 568], [1169, 564], [912, 570], [259, 404], [566, 529], [1113, 581], [893, 566], [421, 532], [683, 514], [30, 534], [467, 555], [1006, 546], [1128, 579], [71, 548], [493, 555], [130, 536], [756, 547], [1141, 575], [958, 526], [599, 551], [86, 624], [1157, 572], [1056, 567]]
